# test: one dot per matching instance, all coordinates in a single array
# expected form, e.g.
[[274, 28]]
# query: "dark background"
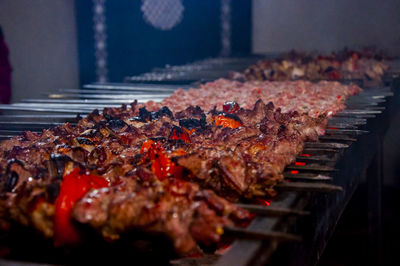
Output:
[[134, 47]]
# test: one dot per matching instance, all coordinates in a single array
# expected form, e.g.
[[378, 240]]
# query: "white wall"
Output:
[[326, 25], [41, 35]]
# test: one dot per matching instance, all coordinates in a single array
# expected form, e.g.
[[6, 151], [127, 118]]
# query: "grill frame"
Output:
[[324, 216], [257, 252]]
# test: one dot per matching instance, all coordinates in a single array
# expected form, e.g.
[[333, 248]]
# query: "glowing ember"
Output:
[[266, 202], [195, 255], [223, 248]]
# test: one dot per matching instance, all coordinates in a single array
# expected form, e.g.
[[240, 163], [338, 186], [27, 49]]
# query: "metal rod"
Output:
[[328, 145], [13, 132], [114, 91], [319, 150], [360, 104], [308, 187], [352, 132], [337, 137], [271, 211], [65, 105], [354, 111], [42, 109], [127, 97], [261, 235], [38, 116], [350, 120], [365, 107], [355, 115], [367, 100], [382, 108], [319, 168], [306, 176], [135, 86], [4, 123], [342, 125], [315, 158], [82, 101]]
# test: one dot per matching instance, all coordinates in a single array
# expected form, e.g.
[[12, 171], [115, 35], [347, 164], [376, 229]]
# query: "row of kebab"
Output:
[[173, 168]]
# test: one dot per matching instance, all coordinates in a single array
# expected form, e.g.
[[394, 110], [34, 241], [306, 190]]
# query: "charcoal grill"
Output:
[[300, 220]]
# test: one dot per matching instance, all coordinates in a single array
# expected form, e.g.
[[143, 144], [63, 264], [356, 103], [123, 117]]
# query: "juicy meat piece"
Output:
[[161, 163], [175, 208], [294, 66], [235, 172], [315, 99]]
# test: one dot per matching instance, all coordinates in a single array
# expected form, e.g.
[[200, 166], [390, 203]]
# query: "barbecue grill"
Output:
[[300, 220]]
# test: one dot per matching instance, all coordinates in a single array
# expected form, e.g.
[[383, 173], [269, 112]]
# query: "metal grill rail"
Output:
[[325, 170]]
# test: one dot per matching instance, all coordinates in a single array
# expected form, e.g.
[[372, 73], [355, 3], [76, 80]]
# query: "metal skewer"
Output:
[[127, 97], [354, 121], [317, 158], [43, 109], [353, 132], [80, 101], [308, 187], [355, 111], [72, 106], [135, 86], [261, 235], [320, 168], [270, 211], [114, 92], [306, 176], [342, 125], [337, 137], [327, 145]]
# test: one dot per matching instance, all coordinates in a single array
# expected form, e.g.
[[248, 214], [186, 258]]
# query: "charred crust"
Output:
[[57, 164], [12, 161], [214, 111], [84, 141], [91, 133], [78, 117], [232, 116], [107, 116], [53, 190], [144, 115], [41, 173], [116, 124], [164, 111], [189, 123], [191, 111], [79, 154], [11, 181]]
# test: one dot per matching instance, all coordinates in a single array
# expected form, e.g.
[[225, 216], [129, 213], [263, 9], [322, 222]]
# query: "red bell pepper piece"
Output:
[[146, 146], [161, 164], [221, 120], [190, 132], [233, 107], [180, 134], [73, 187]]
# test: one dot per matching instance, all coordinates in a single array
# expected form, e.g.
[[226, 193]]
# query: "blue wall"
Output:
[[133, 46]]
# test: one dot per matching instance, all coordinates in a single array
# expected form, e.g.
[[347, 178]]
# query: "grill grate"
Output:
[[319, 187]]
